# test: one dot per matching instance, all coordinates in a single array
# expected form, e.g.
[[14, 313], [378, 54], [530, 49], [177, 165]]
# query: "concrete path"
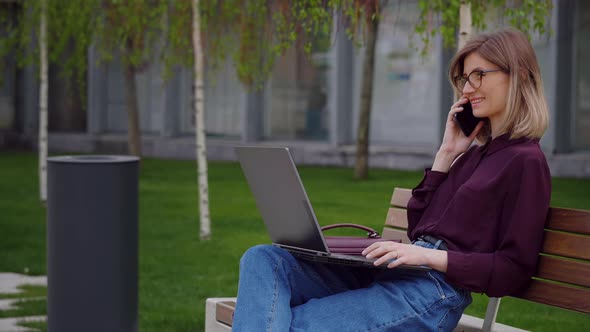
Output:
[[9, 283], [10, 324]]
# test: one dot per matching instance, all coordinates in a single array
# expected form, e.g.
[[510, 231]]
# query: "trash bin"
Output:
[[92, 243]]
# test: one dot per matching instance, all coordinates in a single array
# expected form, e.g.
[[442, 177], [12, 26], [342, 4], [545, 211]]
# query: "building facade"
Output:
[[310, 103]]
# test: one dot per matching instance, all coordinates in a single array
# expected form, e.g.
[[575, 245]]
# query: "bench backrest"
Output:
[[563, 272]]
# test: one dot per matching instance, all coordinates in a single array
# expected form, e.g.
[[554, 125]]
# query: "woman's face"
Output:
[[489, 99]]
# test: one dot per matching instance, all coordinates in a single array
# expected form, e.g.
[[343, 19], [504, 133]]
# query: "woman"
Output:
[[476, 218]]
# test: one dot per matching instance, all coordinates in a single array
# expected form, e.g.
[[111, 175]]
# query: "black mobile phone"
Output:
[[466, 120]]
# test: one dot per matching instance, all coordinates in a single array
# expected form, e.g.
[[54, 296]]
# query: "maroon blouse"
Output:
[[490, 209]]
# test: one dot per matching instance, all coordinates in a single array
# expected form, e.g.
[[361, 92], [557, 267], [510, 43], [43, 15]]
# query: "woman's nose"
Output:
[[467, 88]]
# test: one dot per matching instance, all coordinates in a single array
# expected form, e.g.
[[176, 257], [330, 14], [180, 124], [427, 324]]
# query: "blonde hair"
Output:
[[526, 112]]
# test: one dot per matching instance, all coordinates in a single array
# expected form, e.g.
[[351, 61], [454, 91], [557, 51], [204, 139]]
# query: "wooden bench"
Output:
[[562, 278]]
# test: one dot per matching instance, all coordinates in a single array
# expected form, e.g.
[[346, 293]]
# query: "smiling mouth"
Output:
[[476, 101]]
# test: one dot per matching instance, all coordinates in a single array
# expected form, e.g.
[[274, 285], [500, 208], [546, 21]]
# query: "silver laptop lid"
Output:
[[280, 197]]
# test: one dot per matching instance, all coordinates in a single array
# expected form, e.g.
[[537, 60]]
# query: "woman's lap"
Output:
[[402, 301], [278, 292]]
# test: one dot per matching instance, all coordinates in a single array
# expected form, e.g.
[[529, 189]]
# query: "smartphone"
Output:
[[466, 120]]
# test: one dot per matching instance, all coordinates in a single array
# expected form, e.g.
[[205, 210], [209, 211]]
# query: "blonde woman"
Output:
[[476, 218]]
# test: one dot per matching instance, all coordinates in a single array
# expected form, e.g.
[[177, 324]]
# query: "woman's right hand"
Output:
[[454, 141]]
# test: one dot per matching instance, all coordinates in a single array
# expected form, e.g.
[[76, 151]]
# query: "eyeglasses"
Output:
[[474, 78]]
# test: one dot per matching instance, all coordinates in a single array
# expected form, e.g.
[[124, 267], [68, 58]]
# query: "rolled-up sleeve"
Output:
[[510, 267]]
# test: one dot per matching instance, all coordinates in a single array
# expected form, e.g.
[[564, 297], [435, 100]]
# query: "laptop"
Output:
[[286, 210]]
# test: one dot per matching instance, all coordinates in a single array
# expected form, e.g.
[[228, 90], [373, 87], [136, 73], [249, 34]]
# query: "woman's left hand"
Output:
[[398, 253]]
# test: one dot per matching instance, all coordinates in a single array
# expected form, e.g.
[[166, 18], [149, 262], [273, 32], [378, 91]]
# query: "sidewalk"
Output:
[[9, 283]]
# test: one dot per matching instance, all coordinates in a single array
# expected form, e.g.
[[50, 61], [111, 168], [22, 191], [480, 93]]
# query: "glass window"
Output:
[[8, 72], [298, 93], [7, 93], [66, 111], [581, 121], [406, 86], [224, 101]]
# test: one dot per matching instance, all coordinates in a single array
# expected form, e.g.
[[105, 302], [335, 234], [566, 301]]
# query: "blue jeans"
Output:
[[278, 292]]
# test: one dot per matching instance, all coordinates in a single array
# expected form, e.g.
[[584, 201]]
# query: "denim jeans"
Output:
[[278, 292]]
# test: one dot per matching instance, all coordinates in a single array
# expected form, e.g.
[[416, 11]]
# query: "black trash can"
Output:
[[92, 243]]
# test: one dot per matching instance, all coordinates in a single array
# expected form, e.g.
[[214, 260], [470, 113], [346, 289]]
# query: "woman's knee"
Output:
[[260, 254]]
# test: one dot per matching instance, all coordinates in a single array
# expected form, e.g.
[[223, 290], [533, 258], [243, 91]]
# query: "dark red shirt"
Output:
[[490, 209]]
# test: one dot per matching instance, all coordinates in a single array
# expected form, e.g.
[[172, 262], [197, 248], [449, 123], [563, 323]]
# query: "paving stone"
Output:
[[10, 324], [9, 282]]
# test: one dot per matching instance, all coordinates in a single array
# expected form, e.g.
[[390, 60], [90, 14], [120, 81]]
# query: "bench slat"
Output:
[[397, 217], [562, 270], [400, 197], [224, 312], [569, 220], [572, 298], [567, 245], [395, 234]]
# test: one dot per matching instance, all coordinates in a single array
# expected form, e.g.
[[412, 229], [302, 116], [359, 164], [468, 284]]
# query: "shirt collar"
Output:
[[503, 141]]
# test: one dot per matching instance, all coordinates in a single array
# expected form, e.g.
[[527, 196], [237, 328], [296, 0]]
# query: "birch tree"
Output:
[[464, 23], [43, 101], [39, 37], [201, 146], [452, 18]]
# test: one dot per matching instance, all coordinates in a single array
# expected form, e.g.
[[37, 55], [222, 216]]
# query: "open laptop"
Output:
[[285, 208]]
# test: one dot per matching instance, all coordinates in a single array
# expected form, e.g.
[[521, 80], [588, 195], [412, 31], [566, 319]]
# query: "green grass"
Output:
[[26, 291], [39, 325], [178, 271], [26, 308]]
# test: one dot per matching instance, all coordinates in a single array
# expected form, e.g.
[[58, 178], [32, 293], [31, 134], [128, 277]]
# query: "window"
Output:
[[297, 95], [406, 86], [581, 121]]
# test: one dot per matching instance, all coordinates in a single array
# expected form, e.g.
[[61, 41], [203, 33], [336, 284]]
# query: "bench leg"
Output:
[[475, 324], [491, 313]]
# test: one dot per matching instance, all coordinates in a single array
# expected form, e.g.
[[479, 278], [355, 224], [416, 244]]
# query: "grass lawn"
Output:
[[178, 271]]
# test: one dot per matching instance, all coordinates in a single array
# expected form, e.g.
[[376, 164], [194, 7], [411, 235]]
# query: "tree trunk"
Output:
[[43, 98], [361, 170], [464, 23], [199, 107], [133, 131]]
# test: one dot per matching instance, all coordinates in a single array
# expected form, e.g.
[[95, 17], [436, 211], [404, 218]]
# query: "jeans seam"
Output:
[[443, 298], [440, 290], [453, 308], [274, 297]]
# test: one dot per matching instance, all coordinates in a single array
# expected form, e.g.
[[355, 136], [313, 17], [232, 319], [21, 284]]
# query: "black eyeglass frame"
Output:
[[465, 79]]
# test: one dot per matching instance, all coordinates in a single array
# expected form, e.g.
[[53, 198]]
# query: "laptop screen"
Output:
[[280, 197]]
